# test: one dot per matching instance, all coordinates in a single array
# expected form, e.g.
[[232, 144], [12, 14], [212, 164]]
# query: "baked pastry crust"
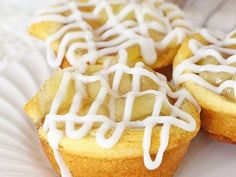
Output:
[[169, 31], [124, 157], [218, 113], [105, 166]]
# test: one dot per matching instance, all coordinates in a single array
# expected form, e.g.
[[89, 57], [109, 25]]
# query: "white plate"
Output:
[[20, 152]]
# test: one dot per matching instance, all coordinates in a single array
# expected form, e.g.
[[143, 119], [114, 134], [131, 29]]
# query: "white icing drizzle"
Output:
[[115, 34], [177, 117], [199, 52]]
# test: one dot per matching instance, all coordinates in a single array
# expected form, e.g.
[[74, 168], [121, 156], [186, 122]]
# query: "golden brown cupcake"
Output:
[[115, 119], [81, 32], [208, 71]]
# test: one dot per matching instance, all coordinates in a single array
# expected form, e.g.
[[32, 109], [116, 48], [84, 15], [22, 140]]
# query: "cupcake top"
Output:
[[111, 98], [84, 31], [211, 66]]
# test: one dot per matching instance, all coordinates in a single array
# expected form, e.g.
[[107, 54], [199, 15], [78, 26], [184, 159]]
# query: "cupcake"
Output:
[[115, 119], [79, 33], [208, 71]]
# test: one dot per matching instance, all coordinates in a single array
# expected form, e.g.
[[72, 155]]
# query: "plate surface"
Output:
[[20, 77]]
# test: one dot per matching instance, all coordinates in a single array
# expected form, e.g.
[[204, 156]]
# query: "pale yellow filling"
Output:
[[218, 78]]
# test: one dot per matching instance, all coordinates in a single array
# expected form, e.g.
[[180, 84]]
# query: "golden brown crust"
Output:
[[184, 52], [218, 113], [81, 166], [126, 158], [219, 126], [221, 138], [39, 105]]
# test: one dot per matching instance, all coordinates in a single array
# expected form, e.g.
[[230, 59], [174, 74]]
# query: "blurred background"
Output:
[[213, 14]]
